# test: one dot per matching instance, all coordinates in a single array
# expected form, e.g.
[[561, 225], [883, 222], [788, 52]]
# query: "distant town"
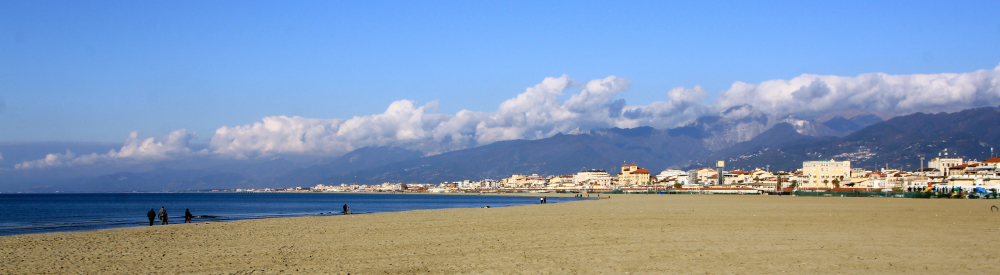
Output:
[[942, 174]]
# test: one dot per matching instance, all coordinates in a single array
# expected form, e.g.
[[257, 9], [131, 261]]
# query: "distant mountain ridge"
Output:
[[745, 137], [743, 123], [560, 154], [896, 143], [360, 159], [782, 134]]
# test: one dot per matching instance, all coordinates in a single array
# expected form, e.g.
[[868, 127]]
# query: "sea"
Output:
[[41, 213]]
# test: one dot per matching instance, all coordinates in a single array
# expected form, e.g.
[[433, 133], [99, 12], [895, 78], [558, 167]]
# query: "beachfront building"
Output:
[[672, 180], [389, 187], [944, 164], [683, 179], [669, 173], [515, 181], [975, 174], [536, 181], [737, 177], [758, 179], [593, 178], [632, 174], [706, 176], [488, 184], [561, 182], [762, 176], [825, 173], [859, 172]]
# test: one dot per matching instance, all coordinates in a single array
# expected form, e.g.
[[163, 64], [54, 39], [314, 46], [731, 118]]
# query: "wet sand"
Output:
[[642, 234]]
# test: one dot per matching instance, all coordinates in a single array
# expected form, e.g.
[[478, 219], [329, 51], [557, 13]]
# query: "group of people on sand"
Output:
[[164, 219]]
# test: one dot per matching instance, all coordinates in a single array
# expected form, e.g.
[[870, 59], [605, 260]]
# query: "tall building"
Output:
[[720, 166], [633, 175], [822, 173]]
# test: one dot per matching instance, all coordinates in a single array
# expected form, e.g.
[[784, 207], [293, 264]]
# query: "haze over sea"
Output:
[[42, 213]]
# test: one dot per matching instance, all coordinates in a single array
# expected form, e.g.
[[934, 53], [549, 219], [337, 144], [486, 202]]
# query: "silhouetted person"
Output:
[[187, 215], [163, 215], [345, 209], [151, 215]]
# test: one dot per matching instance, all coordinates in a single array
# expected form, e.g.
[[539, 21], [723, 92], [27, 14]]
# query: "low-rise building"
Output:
[[592, 177], [669, 173]]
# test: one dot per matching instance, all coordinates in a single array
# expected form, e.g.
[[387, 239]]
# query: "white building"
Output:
[[944, 164], [669, 173], [592, 177]]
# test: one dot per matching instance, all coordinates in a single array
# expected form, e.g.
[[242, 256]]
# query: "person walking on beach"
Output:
[[187, 215], [163, 215], [345, 209], [151, 215]]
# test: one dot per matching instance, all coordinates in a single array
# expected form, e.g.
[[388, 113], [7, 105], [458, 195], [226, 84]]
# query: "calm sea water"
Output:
[[38, 213]]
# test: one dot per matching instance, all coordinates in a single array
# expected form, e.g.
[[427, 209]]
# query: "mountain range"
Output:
[[897, 143], [745, 137]]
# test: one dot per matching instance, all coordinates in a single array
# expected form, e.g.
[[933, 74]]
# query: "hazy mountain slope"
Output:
[[865, 119], [739, 132], [897, 143], [165, 180], [560, 154], [743, 123], [782, 134], [360, 159]]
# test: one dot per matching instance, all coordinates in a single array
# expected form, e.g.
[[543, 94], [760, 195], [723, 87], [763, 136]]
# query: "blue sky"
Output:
[[95, 71]]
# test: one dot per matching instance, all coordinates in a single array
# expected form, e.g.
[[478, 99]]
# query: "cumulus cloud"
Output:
[[811, 95], [536, 113], [404, 123], [683, 104], [539, 112], [172, 146]]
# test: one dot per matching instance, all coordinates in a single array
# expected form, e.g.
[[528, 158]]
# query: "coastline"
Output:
[[30, 213], [628, 233]]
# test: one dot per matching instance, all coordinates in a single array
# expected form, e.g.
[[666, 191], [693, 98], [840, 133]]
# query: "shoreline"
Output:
[[114, 223], [630, 233]]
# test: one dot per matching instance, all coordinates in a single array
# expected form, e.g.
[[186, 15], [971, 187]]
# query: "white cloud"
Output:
[[539, 112], [403, 123], [49, 160], [535, 113], [172, 146], [811, 95], [682, 105]]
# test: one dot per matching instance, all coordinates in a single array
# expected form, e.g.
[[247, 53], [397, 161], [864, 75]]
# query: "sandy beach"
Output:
[[637, 234]]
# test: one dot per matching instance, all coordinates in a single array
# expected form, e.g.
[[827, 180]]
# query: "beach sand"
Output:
[[638, 234]]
